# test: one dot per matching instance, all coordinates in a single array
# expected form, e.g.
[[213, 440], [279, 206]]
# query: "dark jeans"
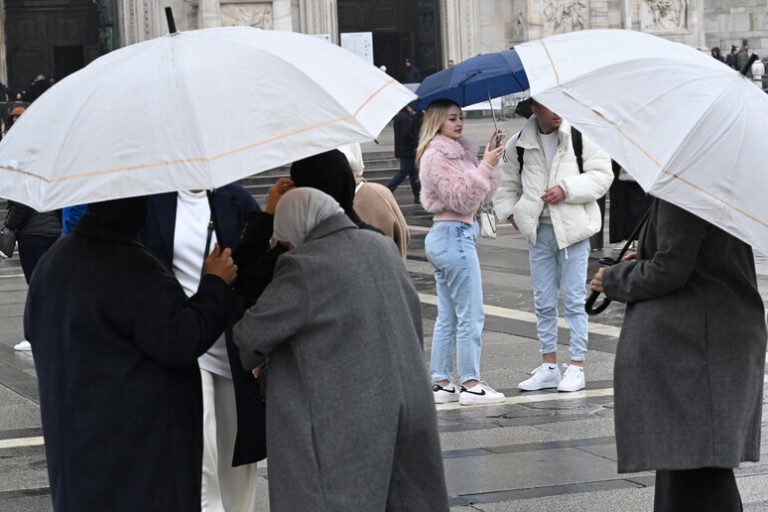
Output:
[[31, 249], [697, 490], [407, 168]]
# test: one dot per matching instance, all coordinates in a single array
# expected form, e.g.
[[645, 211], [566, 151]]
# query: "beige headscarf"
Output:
[[300, 211]]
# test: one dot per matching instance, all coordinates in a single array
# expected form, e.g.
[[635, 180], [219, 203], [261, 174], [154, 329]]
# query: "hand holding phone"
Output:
[[495, 140]]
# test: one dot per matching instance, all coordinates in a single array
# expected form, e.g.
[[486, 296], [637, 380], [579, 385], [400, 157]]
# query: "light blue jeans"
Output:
[[551, 269], [450, 248]]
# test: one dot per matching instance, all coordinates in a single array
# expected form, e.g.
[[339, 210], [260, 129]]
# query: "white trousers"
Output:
[[224, 489]]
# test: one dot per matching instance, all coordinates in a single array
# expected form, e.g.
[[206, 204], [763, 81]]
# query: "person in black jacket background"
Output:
[[407, 124]]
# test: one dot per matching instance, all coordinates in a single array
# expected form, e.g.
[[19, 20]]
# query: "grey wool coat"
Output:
[[691, 356], [351, 423]]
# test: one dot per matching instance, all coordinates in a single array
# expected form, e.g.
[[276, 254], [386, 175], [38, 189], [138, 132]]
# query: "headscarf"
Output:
[[331, 173], [300, 211], [354, 156]]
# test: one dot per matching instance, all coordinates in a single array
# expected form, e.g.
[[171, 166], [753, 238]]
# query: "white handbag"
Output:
[[487, 220]]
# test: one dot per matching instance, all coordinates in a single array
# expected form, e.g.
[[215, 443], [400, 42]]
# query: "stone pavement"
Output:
[[541, 451]]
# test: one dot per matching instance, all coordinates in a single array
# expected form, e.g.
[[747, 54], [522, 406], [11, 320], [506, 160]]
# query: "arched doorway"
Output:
[[401, 29]]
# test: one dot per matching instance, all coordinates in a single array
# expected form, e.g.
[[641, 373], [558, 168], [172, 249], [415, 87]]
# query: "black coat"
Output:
[[116, 342], [26, 221], [405, 144], [233, 204], [628, 204]]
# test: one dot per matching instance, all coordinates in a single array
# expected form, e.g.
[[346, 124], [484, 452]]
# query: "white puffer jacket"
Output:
[[574, 219]]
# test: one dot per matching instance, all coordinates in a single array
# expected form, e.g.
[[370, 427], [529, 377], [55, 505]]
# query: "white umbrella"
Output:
[[691, 130], [192, 110]]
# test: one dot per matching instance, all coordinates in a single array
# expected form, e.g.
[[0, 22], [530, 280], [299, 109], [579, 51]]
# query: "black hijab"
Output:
[[331, 173]]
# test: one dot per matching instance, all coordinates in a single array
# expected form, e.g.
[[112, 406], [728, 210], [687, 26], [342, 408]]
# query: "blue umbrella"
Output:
[[480, 78]]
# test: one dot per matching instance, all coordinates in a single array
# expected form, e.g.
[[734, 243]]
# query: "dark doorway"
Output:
[[67, 59], [48, 37], [402, 29]]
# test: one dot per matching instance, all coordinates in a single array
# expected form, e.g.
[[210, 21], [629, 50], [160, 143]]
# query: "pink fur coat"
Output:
[[453, 185]]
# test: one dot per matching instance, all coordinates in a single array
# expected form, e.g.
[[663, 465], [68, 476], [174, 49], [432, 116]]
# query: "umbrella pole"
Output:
[[214, 219], [493, 115]]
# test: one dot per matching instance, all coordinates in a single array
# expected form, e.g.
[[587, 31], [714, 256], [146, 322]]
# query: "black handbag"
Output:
[[7, 242]]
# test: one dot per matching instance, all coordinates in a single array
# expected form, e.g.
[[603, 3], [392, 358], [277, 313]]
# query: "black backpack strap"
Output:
[[520, 152], [578, 147]]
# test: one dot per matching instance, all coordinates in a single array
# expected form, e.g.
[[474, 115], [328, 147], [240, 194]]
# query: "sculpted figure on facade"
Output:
[[564, 16], [258, 15], [663, 15]]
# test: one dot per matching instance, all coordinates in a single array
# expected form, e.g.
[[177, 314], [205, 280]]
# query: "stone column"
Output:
[[320, 17], [286, 15], [459, 28], [208, 14]]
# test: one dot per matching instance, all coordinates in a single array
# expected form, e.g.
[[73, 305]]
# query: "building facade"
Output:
[[54, 37]]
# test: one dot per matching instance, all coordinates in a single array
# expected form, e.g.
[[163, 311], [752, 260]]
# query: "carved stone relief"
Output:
[[663, 15], [516, 28], [257, 15], [561, 16]]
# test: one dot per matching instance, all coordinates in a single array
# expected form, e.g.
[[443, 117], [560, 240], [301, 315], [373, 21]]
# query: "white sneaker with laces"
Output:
[[22, 346], [481, 393], [445, 394], [545, 376], [573, 379]]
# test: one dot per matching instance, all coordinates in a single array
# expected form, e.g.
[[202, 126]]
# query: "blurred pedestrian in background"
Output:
[[412, 73], [180, 233], [350, 422], [717, 55], [454, 188], [742, 58], [116, 341], [730, 59], [690, 362], [407, 124]]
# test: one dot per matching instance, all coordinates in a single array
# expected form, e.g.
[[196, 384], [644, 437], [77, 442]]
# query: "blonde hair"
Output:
[[434, 117]]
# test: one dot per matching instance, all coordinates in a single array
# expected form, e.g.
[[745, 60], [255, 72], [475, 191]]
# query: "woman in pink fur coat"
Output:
[[454, 186]]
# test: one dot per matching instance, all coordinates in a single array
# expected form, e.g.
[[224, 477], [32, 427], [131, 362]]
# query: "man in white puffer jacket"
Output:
[[555, 206]]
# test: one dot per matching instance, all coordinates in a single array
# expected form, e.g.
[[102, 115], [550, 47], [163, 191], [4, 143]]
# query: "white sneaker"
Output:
[[445, 394], [24, 346], [573, 379], [545, 376], [481, 393]]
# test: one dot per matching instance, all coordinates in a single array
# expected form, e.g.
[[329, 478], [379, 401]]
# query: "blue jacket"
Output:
[[233, 204]]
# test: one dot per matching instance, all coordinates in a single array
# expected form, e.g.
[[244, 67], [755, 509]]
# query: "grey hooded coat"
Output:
[[351, 423], [691, 356]]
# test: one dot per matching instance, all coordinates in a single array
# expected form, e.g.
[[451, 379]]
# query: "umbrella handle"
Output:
[[588, 306]]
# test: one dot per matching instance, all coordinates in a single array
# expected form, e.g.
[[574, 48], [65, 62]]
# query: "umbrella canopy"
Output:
[[688, 128], [192, 110], [474, 80]]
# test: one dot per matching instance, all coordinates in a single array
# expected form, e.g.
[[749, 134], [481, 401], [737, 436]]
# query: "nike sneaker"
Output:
[[480, 394]]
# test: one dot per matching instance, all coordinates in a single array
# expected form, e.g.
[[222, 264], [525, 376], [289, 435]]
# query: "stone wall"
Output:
[[727, 22]]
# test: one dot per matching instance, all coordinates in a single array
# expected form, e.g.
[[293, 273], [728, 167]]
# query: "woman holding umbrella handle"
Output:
[[454, 186], [690, 361]]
